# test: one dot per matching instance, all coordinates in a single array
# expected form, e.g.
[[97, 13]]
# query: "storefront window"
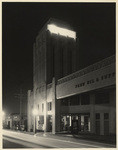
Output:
[[85, 99], [49, 106], [75, 123], [102, 98], [71, 101]]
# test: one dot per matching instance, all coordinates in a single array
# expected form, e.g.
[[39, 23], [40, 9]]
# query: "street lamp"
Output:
[[35, 112]]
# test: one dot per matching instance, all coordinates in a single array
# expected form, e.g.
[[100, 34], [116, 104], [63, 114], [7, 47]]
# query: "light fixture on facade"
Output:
[[62, 31], [35, 112]]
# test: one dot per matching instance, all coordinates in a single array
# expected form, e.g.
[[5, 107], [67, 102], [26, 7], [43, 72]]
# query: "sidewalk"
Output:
[[88, 137], [66, 136]]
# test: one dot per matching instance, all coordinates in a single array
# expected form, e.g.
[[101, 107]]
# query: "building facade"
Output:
[[14, 121], [67, 99]]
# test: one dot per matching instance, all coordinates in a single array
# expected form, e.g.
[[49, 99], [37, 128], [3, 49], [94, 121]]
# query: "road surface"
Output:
[[50, 142], [9, 142]]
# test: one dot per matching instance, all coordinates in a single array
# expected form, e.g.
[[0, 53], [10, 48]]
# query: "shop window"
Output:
[[85, 99], [41, 120], [49, 106], [102, 98], [66, 123]]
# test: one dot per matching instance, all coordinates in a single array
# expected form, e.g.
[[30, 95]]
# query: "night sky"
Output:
[[21, 22]]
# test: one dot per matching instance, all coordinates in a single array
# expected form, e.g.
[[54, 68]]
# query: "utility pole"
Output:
[[20, 98]]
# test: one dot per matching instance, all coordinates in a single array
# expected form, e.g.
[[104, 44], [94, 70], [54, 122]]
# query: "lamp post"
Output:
[[35, 112]]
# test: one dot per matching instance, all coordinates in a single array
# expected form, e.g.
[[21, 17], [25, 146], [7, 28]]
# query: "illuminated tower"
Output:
[[54, 52], [55, 56]]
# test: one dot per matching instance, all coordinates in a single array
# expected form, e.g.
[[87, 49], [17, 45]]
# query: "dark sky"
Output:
[[21, 22]]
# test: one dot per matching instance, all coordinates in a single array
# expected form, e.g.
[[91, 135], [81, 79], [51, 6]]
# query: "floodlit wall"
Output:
[[96, 76]]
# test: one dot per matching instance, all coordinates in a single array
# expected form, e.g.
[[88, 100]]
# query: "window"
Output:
[[71, 101], [102, 98], [49, 106], [41, 120], [74, 100], [97, 116], [85, 99]]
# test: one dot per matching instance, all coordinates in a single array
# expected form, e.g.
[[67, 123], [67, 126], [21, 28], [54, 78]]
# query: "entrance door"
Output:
[[106, 127], [86, 123], [8, 124], [97, 127], [97, 124], [75, 126], [50, 123]]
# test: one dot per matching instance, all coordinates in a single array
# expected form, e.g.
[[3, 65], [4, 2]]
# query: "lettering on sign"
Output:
[[90, 81], [80, 85], [103, 77]]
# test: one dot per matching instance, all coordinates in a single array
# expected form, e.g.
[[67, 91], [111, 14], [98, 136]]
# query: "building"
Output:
[[16, 122], [55, 53], [65, 98]]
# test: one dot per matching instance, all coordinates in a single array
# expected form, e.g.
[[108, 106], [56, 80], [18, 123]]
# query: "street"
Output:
[[18, 139], [9, 142]]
